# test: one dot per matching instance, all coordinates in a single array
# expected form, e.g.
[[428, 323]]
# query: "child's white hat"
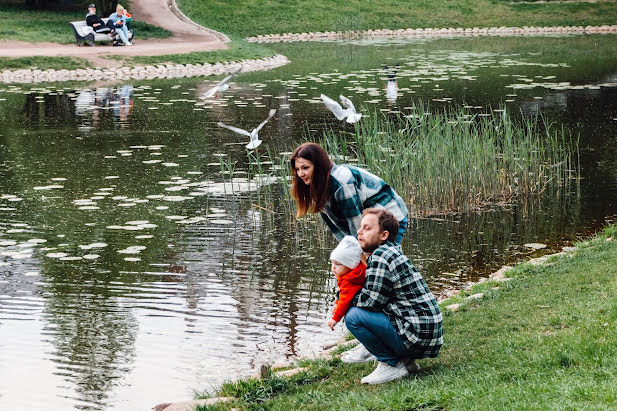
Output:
[[347, 252]]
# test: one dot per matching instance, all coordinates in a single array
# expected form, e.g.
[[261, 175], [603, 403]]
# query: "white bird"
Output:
[[220, 87], [253, 135], [349, 112]]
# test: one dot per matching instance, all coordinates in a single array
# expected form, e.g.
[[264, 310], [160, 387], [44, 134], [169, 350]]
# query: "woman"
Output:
[[118, 19], [340, 192]]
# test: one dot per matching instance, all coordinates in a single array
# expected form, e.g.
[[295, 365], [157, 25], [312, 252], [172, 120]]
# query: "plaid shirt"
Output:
[[351, 190], [396, 288]]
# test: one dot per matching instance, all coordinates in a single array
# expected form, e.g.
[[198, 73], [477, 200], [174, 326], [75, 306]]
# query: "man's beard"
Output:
[[370, 247]]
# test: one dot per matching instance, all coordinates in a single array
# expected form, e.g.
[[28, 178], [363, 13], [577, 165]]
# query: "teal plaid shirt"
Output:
[[353, 189], [395, 287]]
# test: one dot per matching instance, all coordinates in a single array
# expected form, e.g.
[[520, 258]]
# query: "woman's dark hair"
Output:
[[313, 198]]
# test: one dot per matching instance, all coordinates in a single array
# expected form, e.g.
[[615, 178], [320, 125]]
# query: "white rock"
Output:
[[535, 246]]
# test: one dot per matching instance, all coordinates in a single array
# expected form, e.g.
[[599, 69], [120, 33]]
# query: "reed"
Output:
[[454, 161], [444, 162]]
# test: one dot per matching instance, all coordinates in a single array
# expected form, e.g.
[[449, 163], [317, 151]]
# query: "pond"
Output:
[[133, 273]]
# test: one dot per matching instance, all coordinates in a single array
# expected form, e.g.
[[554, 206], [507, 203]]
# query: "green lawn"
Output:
[[252, 17], [52, 26], [237, 50], [44, 63], [545, 340]]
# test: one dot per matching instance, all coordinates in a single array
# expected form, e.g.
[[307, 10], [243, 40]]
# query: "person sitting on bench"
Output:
[[97, 24], [118, 21]]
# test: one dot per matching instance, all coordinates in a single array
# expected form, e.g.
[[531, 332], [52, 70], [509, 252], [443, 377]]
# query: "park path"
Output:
[[187, 36]]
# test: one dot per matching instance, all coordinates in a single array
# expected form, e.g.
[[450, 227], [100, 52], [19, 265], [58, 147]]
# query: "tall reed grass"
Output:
[[446, 162], [454, 161]]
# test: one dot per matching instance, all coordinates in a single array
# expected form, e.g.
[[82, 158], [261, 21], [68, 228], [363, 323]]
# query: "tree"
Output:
[[104, 7]]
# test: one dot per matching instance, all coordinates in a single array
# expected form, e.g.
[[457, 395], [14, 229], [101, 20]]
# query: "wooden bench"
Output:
[[86, 34]]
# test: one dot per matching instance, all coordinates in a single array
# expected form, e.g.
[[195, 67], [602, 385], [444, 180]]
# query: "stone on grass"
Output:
[[281, 365], [190, 405], [452, 293], [349, 343], [539, 260], [475, 296], [499, 275], [453, 307], [290, 373]]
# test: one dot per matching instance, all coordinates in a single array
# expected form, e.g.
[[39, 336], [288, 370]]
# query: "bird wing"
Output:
[[347, 103], [334, 107], [217, 87], [263, 123], [234, 129]]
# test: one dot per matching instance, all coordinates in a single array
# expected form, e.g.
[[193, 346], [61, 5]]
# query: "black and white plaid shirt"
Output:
[[396, 288]]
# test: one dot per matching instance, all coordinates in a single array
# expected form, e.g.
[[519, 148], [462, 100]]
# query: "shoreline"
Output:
[[28, 76], [432, 33]]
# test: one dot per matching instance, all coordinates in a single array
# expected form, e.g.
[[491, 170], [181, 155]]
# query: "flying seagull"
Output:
[[349, 112], [255, 141], [221, 86]]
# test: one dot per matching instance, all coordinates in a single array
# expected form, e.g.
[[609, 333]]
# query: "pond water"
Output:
[[133, 273]]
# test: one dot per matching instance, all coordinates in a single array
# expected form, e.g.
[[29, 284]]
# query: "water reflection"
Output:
[[92, 333], [131, 273], [391, 86]]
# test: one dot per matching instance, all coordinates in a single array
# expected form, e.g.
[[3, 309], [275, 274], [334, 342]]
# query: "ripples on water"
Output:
[[129, 272]]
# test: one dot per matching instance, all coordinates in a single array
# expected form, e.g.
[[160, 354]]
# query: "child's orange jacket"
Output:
[[348, 285]]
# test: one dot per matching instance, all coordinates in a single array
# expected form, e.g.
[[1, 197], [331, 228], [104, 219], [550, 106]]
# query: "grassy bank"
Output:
[[253, 17], [43, 63], [547, 339], [237, 50], [34, 26]]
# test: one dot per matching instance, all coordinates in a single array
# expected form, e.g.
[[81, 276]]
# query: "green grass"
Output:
[[252, 17], [453, 161], [237, 50], [547, 339], [52, 26], [44, 63]]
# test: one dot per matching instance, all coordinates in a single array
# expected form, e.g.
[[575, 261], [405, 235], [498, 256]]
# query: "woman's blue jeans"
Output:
[[123, 33], [375, 331]]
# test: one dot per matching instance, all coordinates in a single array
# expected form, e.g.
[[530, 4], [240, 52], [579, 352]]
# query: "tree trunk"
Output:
[[107, 7]]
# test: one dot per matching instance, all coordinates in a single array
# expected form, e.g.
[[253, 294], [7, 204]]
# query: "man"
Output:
[[395, 317], [96, 23]]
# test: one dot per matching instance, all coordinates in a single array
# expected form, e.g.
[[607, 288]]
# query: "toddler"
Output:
[[350, 275]]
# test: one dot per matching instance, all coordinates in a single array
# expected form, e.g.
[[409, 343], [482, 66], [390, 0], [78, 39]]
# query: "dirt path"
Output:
[[187, 36]]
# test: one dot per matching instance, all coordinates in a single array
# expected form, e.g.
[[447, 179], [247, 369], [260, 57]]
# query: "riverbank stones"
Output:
[[141, 72], [433, 32]]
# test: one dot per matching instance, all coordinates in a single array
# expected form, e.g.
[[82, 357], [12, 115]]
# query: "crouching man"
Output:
[[395, 317]]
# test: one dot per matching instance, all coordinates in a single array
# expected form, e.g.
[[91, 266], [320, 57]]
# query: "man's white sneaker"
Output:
[[385, 372], [357, 354]]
